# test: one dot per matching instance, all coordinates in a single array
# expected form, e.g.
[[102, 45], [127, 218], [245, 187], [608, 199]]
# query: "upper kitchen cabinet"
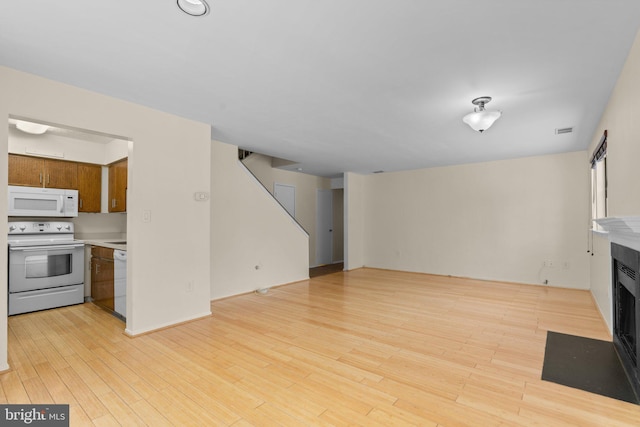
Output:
[[89, 187], [118, 186], [60, 174], [27, 171], [38, 172]]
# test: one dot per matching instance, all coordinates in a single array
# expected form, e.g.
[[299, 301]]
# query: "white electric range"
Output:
[[46, 266]]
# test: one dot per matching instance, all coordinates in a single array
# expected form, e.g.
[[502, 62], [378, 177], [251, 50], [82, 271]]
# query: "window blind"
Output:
[[600, 151]]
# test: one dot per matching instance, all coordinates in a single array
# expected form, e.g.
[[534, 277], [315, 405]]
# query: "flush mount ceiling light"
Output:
[[194, 7], [481, 119], [32, 128]]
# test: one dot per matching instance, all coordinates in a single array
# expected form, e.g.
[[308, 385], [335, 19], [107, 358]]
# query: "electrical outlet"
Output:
[[189, 287], [548, 263], [566, 265]]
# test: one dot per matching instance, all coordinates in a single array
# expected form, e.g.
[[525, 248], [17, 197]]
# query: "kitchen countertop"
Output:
[[107, 243]]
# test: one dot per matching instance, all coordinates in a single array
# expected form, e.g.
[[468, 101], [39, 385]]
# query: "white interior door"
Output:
[[286, 195], [324, 229]]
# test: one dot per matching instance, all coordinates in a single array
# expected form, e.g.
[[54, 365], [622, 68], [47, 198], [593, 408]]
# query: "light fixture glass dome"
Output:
[[32, 128], [481, 119], [194, 7]]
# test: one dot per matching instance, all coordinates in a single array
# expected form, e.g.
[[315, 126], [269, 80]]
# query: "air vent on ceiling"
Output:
[[560, 131]]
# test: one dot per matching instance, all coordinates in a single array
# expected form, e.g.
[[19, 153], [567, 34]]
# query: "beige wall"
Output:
[[100, 225], [620, 119], [354, 220], [306, 188], [600, 276], [496, 220], [168, 161], [250, 229]]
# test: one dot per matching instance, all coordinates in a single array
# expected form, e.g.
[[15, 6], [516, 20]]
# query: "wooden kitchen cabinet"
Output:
[[102, 277], [25, 170], [39, 172], [118, 186], [89, 187], [60, 174]]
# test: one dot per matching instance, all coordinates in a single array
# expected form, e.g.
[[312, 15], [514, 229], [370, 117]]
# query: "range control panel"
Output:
[[49, 227]]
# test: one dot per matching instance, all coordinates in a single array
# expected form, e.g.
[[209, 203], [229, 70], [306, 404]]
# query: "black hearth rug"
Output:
[[586, 364]]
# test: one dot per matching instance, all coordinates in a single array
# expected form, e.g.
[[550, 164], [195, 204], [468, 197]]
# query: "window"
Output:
[[599, 181]]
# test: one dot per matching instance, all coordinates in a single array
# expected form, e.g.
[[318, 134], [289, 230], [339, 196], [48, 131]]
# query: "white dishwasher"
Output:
[[120, 282]]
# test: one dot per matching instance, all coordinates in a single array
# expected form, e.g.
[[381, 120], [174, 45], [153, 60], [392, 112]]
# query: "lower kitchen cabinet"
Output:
[[102, 278]]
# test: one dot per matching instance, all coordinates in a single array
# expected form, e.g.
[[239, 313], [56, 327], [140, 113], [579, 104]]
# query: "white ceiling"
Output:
[[343, 85]]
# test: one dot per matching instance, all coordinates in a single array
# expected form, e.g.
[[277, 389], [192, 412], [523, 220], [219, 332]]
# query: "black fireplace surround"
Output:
[[626, 310]]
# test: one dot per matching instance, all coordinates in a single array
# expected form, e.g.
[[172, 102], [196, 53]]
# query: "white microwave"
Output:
[[42, 202]]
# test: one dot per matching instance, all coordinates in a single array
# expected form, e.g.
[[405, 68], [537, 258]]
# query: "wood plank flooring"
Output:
[[367, 347], [326, 269]]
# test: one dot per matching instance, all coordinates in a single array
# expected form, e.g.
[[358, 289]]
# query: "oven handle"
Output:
[[40, 248]]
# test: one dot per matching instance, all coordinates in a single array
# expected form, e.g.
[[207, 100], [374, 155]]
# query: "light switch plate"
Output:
[[201, 196]]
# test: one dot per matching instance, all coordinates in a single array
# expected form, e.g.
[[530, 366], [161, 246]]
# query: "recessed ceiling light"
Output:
[[32, 128], [194, 7]]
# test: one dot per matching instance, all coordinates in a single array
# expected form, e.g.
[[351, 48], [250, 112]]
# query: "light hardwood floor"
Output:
[[367, 347]]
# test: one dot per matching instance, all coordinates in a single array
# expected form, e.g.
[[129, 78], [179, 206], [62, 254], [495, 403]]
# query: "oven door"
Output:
[[47, 266]]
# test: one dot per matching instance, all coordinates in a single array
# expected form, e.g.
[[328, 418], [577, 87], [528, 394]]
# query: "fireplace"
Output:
[[626, 309]]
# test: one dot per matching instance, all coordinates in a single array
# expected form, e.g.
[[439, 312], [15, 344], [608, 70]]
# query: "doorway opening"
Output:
[[46, 156]]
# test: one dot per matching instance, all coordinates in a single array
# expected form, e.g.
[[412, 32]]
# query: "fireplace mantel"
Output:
[[623, 230]]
